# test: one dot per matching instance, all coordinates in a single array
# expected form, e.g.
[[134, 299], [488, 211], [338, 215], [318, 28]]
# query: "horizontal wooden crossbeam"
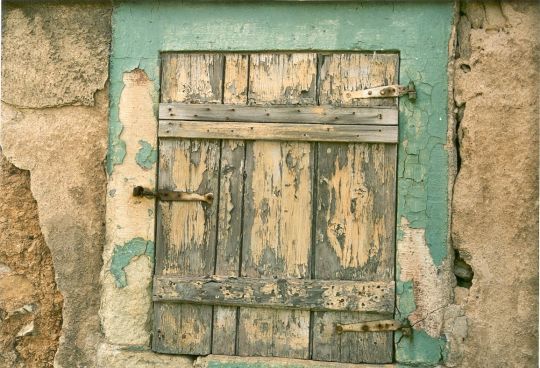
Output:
[[316, 295], [280, 114], [278, 131]]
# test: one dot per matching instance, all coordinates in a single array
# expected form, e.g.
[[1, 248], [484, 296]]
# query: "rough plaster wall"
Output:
[[30, 304], [495, 206], [54, 124]]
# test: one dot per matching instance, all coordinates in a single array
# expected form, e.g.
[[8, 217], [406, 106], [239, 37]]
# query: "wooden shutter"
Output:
[[300, 234]]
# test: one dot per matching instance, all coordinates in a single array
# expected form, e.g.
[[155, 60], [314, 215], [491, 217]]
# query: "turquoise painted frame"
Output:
[[420, 32]]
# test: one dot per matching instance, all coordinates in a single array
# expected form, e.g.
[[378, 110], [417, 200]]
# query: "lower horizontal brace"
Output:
[[316, 295]]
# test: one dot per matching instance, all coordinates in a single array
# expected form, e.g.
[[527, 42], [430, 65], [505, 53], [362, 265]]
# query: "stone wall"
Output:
[[54, 133]]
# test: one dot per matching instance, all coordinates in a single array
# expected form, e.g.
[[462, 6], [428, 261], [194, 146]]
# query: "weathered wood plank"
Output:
[[341, 74], [278, 131], [191, 78], [355, 209], [351, 346], [187, 233], [277, 232], [230, 205], [317, 295], [280, 114], [282, 79]]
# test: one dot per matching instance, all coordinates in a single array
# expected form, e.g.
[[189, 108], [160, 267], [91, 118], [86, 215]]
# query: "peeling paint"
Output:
[[417, 268], [117, 147], [146, 157], [123, 254]]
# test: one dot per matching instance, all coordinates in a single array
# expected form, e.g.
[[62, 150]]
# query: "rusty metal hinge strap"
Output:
[[172, 195], [375, 326], [394, 90]]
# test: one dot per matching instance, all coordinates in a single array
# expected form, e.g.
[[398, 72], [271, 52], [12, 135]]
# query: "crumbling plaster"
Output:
[[495, 204], [54, 124], [30, 304]]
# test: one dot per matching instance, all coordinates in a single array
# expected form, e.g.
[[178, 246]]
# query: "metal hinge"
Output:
[[395, 90], [376, 326], [171, 195]]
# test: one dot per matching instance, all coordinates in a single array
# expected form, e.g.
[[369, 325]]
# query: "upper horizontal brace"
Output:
[[280, 114]]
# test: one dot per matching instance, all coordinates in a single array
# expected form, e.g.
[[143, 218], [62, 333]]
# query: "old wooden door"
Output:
[[288, 227]]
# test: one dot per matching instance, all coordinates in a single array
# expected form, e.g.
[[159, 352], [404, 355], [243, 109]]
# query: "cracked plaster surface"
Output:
[[54, 124]]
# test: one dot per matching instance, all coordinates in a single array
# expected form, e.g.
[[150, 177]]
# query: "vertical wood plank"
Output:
[[277, 227], [187, 230], [342, 73], [191, 78], [230, 205], [355, 218]]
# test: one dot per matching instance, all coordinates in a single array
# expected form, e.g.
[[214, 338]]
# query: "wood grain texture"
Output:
[[187, 231], [192, 78], [257, 237], [282, 79], [279, 114], [355, 210], [316, 295], [229, 237], [341, 74], [278, 131], [277, 232]]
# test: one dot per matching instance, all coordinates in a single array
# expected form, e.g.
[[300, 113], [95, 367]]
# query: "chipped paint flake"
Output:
[[146, 157], [124, 254]]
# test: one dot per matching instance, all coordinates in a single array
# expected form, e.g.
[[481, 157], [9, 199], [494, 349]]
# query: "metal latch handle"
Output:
[[172, 195]]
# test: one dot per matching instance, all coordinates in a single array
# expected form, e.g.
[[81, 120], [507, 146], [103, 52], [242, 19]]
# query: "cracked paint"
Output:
[[143, 30], [420, 348], [125, 253], [146, 157]]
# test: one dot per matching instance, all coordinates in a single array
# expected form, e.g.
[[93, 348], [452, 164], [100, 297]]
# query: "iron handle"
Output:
[[172, 195]]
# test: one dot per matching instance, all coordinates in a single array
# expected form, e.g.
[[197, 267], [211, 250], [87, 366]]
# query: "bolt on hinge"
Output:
[[376, 326], [394, 90]]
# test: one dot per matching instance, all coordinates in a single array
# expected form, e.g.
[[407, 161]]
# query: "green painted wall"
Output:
[[419, 31]]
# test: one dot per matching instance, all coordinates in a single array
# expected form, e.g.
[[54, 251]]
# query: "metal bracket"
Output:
[[394, 90], [171, 195], [376, 326]]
